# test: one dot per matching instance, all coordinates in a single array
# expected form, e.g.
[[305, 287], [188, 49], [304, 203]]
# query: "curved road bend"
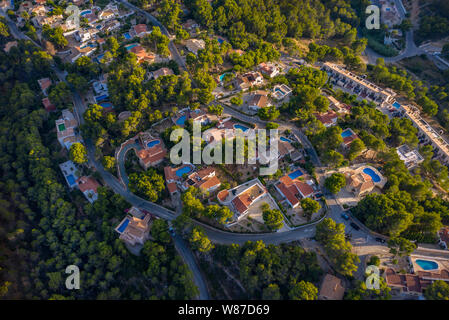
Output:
[[215, 235], [115, 185], [305, 141], [175, 53], [410, 50]]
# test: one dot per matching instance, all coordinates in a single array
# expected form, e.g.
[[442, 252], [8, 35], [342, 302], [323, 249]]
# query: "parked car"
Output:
[[380, 240], [356, 227], [345, 216]]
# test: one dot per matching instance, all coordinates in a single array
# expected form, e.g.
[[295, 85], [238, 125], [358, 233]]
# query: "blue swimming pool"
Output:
[[123, 226], [71, 179], [83, 13], [223, 75], [127, 35], [239, 126], [88, 45], [153, 143], [372, 174], [279, 90], [427, 264], [295, 174], [285, 139], [101, 56], [106, 104], [346, 133], [181, 171], [396, 105], [100, 98], [130, 46], [181, 120], [220, 41]]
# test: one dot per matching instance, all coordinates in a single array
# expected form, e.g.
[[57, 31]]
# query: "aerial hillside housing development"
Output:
[[228, 150]]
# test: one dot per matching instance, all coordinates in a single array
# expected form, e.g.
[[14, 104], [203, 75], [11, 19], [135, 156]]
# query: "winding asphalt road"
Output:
[[116, 186], [214, 235], [410, 50]]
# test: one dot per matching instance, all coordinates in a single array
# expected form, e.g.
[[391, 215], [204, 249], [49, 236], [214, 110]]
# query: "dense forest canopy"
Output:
[[44, 228], [244, 21]]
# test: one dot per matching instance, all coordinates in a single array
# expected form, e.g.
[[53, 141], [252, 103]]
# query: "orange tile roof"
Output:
[[326, 118], [209, 183], [304, 188], [142, 54], [241, 203], [139, 28], [172, 187], [87, 183], [48, 105], [259, 100], [222, 195], [289, 193], [170, 173], [205, 172], [44, 83], [152, 155]]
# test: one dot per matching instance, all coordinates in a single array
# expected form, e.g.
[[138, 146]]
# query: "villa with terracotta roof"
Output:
[[240, 198], [247, 80], [48, 105], [172, 188], [139, 30], [258, 101], [285, 148], [109, 12], [414, 284], [331, 288], [175, 175], [294, 190], [44, 84], [190, 25], [360, 181], [328, 119], [359, 184], [142, 54], [348, 136], [153, 151], [161, 72], [134, 229], [204, 179], [88, 186], [269, 69], [337, 106]]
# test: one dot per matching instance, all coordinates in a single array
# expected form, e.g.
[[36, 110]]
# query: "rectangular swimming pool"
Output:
[[239, 126], [295, 174], [181, 171], [346, 133], [396, 105], [71, 179], [123, 226]]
